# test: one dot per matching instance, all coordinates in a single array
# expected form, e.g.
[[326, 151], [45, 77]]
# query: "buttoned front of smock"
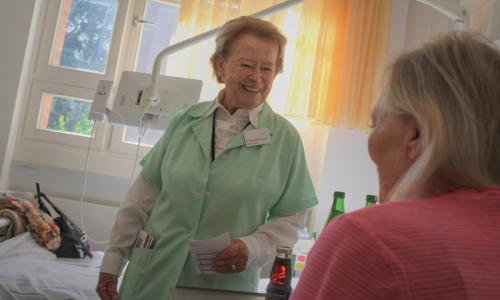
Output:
[[200, 198]]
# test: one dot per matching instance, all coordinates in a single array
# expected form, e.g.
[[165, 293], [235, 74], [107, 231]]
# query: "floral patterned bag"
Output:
[[74, 243], [41, 226]]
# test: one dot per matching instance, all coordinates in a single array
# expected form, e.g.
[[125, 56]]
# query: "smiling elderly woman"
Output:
[[230, 165], [436, 143]]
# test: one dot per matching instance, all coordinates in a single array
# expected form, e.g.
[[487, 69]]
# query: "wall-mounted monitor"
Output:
[[129, 102]]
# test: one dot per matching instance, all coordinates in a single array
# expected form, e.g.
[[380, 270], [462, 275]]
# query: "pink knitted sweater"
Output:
[[446, 247]]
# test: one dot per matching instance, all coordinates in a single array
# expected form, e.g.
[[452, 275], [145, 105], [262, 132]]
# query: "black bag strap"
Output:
[[41, 205]]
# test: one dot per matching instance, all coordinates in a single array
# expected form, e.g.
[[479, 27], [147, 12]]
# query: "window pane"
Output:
[[83, 34], [157, 37], [165, 16], [65, 114]]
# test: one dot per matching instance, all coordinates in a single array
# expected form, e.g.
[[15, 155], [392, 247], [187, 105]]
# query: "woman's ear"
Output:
[[415, 140], [219, 68]]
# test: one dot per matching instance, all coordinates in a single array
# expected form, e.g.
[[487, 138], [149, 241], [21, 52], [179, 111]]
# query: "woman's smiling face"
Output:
[[248, 71]]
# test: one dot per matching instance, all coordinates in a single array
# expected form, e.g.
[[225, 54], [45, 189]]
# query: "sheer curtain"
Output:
[[333, 61], [198, 16], [343, 45], [333, 58]]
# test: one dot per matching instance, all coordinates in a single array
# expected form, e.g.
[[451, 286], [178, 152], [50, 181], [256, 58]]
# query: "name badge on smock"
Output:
[[255, 137]]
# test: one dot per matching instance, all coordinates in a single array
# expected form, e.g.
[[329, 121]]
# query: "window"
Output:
[[81, 43], [83, 34], [160, 23], [65, 114], [77, 44]]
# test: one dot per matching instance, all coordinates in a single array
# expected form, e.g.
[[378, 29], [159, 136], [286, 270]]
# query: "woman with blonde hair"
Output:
[[436, 143]]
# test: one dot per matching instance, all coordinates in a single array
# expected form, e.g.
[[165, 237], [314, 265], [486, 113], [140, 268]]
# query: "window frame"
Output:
[[65, 150], [31, 131], [46, 71]]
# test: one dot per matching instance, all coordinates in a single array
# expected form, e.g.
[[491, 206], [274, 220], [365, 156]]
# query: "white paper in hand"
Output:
[[204, 251]]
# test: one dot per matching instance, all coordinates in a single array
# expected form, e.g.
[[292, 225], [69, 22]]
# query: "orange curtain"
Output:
[[349, 41], [335, 53]]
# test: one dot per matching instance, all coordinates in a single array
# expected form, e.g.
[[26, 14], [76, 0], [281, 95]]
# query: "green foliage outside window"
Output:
[[70, 115]]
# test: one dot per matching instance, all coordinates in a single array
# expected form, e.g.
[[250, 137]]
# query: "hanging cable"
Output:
[[84, 188], [143, 124]]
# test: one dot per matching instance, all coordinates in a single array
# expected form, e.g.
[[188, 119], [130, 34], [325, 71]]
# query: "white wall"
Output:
[[68, 184], [347, 168], [423, 23], [15, 23], [97, 220]]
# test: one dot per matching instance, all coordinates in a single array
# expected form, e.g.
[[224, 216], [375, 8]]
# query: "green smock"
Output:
[[200, 198]]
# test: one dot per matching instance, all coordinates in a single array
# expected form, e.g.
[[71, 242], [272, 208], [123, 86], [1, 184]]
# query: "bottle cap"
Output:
[[284, 250], [338, 194]]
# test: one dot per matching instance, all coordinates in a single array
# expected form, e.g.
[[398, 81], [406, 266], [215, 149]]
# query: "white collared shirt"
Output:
[[227, 126]]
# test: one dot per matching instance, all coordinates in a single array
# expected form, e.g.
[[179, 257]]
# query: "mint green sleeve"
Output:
[[298, 194], [152, 162]]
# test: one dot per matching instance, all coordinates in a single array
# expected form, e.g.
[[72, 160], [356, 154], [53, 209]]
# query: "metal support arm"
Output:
[[153, 99]]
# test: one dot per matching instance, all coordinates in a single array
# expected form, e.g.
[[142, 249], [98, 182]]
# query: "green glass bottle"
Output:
[[337, 206], [370, 200]]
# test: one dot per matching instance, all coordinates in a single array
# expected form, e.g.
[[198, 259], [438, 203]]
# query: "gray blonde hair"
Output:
[[451, 87], [232, 29]]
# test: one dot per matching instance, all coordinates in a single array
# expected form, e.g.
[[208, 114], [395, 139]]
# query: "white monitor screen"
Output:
[[130, 99]]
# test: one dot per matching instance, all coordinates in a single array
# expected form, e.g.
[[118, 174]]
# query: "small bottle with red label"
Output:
[[280, 284]]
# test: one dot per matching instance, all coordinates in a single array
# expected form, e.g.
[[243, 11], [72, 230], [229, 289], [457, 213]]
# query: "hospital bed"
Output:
[[30, 271]]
